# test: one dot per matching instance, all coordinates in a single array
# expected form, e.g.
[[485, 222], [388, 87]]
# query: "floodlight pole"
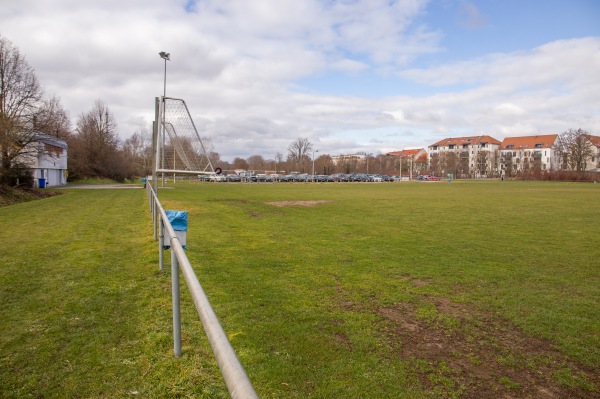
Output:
[[166, 57]]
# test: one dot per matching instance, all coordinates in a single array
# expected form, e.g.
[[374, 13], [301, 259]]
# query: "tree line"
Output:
[[95, 149]]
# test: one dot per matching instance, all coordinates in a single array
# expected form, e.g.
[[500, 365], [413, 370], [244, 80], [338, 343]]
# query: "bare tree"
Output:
[[256, 162], [95, 146], [574, 149], [298, 152], [324, 164], [436, 163], [299, 149], [240, 163], [52, 119], [279, 162], [451, 164], [20, 97], [421, 164], [138, 149]]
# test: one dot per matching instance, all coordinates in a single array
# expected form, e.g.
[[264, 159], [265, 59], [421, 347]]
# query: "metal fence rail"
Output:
[[235, 377]]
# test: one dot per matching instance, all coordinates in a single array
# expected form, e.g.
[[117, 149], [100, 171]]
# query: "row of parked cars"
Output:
[[302, 177], [427, 178]]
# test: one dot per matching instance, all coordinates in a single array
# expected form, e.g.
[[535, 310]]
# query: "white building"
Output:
[[593, 162], [519, 154], [337, 159], [48, 160], [473, 156]]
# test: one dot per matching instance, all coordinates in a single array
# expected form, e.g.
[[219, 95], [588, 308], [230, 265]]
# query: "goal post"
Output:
[[178, 146]]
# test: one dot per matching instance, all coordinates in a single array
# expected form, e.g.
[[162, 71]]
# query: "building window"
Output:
[[539, 145], [510, 147], [451, 146]]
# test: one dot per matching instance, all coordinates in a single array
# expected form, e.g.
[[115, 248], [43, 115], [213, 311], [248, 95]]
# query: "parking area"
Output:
[[302, 177], [307, 178]]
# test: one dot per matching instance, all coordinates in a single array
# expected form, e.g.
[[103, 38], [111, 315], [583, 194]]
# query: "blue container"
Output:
[[42, 183]]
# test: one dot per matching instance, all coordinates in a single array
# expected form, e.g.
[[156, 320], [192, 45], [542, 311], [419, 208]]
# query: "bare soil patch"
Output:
[[461, 352], [298, 203]]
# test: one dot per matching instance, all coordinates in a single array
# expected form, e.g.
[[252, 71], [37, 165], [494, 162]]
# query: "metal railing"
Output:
[[235, 377]]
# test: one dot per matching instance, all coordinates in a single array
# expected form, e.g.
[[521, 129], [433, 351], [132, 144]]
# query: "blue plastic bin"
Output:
[[42, 183]]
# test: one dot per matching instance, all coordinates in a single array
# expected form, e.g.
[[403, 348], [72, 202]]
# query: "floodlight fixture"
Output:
[[165, 56]]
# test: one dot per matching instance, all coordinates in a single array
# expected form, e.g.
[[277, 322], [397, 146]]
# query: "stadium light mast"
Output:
[[166, 57]]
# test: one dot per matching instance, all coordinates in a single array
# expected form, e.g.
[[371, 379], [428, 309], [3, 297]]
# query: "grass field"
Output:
[[468, 289]]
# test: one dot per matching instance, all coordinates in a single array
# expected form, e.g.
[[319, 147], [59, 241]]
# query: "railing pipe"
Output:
[[233, 372], [176, 305]]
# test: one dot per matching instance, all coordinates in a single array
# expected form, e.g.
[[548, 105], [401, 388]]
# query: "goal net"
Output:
[[180, 148]]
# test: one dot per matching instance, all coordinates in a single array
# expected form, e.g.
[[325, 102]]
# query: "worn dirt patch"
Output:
[[298, 203], [461, 352]]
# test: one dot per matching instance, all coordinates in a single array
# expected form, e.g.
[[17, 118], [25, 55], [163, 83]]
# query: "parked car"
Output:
[[263, 177], [217, 178], [301, 177], [432, 178], [233, 178]]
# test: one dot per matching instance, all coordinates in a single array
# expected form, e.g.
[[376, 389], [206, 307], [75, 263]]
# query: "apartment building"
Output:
[[592, 162], [522, 154], [472, 156]]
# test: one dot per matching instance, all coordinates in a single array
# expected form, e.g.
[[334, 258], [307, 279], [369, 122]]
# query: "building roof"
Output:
[[595, 140], [407, 153], [470, 140], [50, 140], [527, 142]]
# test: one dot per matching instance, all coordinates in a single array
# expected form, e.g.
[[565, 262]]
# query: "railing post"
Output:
[[161, 244], [154, 219], [176, 307]]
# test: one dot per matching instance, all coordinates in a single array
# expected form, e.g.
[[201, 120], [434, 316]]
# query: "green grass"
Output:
[[298, 289], [99, 180], [85, 311]]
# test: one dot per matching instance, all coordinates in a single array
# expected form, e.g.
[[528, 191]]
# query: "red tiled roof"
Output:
[[595, 140], [523, 142], [407, 153], [466, 140]]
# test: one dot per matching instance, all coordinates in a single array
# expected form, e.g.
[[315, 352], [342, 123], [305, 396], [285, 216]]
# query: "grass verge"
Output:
[[16, 195]]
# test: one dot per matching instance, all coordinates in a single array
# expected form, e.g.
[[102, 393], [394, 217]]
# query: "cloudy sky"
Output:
[[351, 75]]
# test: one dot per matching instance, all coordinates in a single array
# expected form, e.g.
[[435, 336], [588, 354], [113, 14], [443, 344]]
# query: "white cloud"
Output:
[[237, 64]]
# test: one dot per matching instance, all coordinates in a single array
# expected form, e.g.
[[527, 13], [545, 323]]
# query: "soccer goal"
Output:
[[178, 146]]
